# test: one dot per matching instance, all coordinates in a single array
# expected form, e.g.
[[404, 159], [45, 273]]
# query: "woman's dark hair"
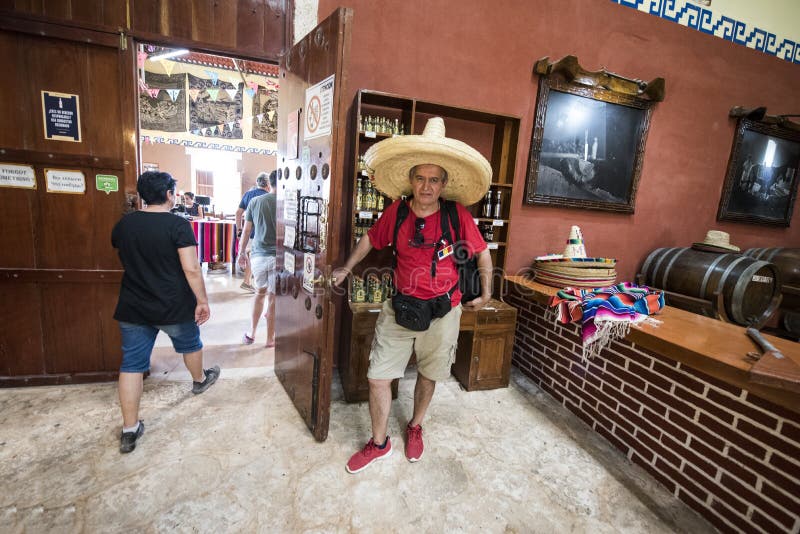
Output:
[[153, 186]]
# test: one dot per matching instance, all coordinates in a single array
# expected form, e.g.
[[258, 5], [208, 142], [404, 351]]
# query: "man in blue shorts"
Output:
[[162, 289]]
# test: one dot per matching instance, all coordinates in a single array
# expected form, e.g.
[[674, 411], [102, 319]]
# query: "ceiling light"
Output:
[[170, 54]]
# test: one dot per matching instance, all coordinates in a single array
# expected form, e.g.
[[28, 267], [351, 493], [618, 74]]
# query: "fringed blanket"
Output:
[[606, 313]]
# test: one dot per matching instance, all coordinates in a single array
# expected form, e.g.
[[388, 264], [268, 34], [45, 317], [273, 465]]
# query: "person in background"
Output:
[[262, 184], [162, 290], [192, 209], [260, 221]]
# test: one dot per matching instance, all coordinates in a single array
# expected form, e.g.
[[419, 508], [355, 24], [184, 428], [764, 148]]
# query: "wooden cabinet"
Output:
[[483, 358], [377, 116]]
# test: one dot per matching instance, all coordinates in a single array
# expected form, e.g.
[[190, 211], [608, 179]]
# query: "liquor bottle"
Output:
[[379, 205], [489, 235], [359, 198], [498, 204], [402, 129], [487, 204], [396, 129], [370, 196], [361, 164]]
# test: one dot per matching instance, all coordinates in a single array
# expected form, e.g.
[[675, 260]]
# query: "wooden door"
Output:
[[59, 275], [312, 214]]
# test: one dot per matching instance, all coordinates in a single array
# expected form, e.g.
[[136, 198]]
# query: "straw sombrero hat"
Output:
[[469, 174], [716, 241]]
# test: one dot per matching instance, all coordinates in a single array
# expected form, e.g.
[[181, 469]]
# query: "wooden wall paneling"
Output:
[[15, 101], [21, 349], [251, 21], [57, 9], [65, 239], [108, 209], [20, 217], [200, 25], [145, 16], [249, 28], [224, 16], [111, 345], [72, 339], [102, 121], [109, 14]]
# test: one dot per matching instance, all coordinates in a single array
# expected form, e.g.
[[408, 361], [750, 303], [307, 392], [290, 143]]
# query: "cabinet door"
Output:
[[491, 359]]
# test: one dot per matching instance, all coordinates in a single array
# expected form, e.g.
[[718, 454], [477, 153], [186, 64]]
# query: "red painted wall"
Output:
[[480, 54]]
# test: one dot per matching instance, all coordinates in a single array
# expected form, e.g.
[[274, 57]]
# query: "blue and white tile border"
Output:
[[705, 20]]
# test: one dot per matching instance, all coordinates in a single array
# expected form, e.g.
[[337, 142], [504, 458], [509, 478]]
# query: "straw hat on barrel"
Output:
[[469, 174], [716, 241]]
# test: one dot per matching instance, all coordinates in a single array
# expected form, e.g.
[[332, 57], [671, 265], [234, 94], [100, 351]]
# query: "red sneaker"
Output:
[[414, 445], [369, 454]]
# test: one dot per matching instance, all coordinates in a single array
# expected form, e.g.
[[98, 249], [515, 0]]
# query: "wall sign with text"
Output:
[[65, 181], [13, 175], [61, 114]]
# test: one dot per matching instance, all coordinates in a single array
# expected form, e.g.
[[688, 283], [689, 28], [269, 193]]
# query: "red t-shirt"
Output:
[[413, 273]]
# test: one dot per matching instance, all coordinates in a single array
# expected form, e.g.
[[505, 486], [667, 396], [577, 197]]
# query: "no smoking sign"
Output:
[[319, 109]]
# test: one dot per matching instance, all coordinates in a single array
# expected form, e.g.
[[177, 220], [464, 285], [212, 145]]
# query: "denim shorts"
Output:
[[138, 341]]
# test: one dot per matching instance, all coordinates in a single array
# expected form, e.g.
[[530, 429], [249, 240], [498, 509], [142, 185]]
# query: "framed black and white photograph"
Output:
[[587, 147], [761, 181]]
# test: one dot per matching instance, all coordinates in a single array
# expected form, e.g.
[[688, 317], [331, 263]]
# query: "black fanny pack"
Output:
[[417, 314]]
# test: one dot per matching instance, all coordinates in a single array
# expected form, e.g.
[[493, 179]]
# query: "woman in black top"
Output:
[[191, 208]]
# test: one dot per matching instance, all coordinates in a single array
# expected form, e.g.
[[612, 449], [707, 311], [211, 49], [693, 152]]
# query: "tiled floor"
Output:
[[222, 335]]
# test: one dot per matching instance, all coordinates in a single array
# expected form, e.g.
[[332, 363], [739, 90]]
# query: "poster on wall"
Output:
[[319, 109], [13, 175], [265, 114], [62, 120], [216, 110], [162, 106], [65, 181]]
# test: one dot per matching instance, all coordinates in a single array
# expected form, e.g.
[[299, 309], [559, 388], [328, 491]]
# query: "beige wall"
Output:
[[251, 165], [171, 159]]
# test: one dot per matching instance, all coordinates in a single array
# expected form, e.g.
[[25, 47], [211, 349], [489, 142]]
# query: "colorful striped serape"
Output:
[[606, 313], [216, 241]]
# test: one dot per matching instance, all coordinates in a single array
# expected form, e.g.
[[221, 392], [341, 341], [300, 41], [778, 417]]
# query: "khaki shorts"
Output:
[[263, 268], [393, 344]]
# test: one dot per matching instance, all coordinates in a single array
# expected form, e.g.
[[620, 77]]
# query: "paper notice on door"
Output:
[[288, 237], [288, 262], [290, 206], [308, 271]]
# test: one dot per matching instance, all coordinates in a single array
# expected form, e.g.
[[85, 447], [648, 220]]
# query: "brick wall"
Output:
[[730, 455]]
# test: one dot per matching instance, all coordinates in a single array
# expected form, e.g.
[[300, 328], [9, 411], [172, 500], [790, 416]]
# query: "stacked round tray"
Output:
[[574, 272]]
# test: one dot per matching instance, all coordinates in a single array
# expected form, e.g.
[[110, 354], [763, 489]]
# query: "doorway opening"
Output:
[[211, 122]]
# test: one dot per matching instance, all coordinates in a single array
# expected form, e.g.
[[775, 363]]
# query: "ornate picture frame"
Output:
[[762, 176], [589, 137]]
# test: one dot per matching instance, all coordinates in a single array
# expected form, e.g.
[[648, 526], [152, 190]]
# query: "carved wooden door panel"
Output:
[[59, 276], [311, 214]]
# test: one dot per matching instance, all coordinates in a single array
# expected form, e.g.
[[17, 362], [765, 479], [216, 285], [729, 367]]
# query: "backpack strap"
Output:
[[402, 215]]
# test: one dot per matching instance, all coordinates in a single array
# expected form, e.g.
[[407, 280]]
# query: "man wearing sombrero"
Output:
[[425, 314]]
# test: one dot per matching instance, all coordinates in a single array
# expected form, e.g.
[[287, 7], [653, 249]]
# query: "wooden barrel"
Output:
[[787, 260], [748, 286]]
